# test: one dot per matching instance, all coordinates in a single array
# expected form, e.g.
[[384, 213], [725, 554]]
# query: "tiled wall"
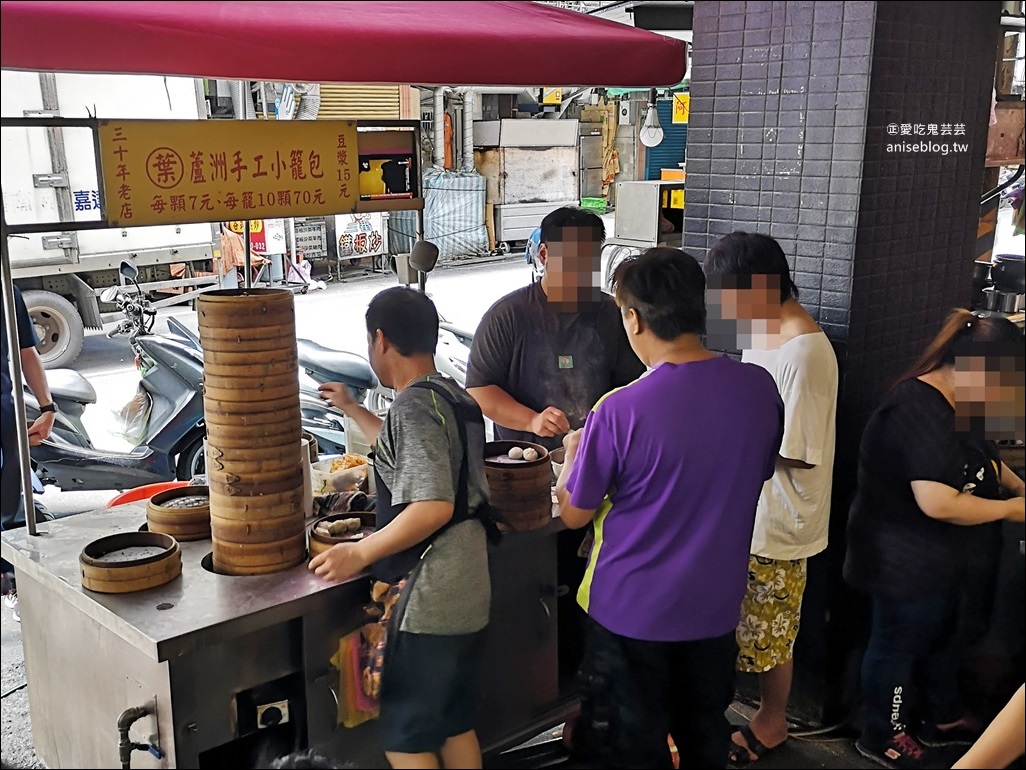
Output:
[[788, 135]]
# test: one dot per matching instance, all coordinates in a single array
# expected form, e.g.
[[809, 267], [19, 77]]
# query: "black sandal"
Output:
[[739, 756]]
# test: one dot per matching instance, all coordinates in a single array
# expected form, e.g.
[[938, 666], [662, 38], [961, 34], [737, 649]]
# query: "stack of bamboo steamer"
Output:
[[254, 426]]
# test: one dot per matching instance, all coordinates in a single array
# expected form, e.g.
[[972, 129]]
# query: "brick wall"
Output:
[[790, 103]]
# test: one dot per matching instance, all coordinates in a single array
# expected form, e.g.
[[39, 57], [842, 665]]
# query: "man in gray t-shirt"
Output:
[[430, 537]]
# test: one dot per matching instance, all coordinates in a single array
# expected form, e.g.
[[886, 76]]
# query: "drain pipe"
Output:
[[439, 126], [469, 101], [126, 746]]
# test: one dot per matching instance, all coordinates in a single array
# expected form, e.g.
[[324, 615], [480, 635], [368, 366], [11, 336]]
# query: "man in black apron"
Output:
[[542, 358], [430, 544]]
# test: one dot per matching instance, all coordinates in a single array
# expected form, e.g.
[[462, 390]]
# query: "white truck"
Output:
[[49, 175]]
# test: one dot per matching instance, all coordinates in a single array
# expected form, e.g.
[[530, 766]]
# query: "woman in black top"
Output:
[[928, 486]]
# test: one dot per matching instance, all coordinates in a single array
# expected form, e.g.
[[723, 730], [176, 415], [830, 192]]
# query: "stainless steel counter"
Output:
[[196, 610]]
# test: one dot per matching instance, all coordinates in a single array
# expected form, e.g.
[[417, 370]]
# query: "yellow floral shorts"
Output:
[[770, 613]]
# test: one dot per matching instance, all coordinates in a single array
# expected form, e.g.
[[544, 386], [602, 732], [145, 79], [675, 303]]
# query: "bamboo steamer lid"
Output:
[[247, 303], [279, 433], [278, 334], [232, 407], [285, 473], [282, 354], [242, 467], [247, 508]]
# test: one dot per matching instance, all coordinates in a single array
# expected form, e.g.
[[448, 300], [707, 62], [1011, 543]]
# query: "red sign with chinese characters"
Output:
[[177, 171]]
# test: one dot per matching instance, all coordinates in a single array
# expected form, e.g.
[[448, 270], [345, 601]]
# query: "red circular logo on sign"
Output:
[[165, 168]]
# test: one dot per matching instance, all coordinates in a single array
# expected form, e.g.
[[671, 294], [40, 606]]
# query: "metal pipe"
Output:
[[439, 127], [469, 101], [247, 256], [126, 719], [14, 363]]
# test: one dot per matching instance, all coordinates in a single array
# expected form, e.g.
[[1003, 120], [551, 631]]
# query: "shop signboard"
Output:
[[266, 236], [681, 108]]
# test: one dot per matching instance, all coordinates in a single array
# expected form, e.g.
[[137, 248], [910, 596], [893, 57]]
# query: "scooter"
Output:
[[171, 370]]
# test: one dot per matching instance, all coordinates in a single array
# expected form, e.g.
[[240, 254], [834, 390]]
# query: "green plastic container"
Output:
[[598, 205]]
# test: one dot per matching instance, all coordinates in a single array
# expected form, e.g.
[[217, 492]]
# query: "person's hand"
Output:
[[571, 441], [338, 395], [41, 429], [550, 422], [340, 562], [1016, 509]]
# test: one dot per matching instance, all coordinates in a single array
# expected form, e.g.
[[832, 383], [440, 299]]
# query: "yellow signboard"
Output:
[[159, 172], [681, 107], [552, 96]]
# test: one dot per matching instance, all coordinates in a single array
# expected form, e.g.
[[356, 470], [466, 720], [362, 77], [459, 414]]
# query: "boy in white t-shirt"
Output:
[[753, 305]]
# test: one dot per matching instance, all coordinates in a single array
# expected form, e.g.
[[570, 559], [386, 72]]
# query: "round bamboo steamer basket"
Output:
[[284, 473], [229, 466], [129, 576], [276, 333], [319, 544], [258, 531], [255, 382], [284, 354], [262, 393], [245, 311], [231, 407], [521, 492], [270, 506], [258, 558], [284, 432], [183, 524], [258, 418], [315, 452], [250, 346], [226, 455], [263, 300], [271, 368], [254, 486], [243, 438], [222, 569]]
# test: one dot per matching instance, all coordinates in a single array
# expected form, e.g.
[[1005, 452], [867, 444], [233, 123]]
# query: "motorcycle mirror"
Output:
[[109, 295], [128, 270], [424, 256]]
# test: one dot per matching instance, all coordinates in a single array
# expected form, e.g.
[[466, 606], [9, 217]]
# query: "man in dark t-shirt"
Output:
[[544, 355]]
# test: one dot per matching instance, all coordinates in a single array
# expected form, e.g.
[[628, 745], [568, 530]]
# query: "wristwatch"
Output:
[[51, 407]]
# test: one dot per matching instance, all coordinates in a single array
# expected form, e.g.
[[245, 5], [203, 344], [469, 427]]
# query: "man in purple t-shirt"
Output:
[[670, 469]]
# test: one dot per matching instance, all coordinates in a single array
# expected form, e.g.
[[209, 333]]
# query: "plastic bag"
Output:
[[133, 418], [325, 482]]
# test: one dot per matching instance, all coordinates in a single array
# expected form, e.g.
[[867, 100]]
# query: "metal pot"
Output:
[[1007, 303], [991, 299], [1008, 272]]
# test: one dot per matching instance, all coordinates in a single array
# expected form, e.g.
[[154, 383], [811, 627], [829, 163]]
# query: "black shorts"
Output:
[[428, 691]]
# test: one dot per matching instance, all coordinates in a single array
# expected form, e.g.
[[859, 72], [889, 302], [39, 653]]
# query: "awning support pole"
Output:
[[17, 392]]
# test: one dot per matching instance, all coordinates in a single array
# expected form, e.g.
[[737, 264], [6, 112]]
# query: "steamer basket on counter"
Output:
[[182, 513], [254, 429], [520, 490], [129, 562]]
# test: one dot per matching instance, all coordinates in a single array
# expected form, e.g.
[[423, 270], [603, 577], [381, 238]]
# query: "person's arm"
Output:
[[416, 523], [488, 379], [589, 469], [35, 377], [808, 389], [1003, 741], [501, 408], [1011, 481], [944, 503], [342, 399]]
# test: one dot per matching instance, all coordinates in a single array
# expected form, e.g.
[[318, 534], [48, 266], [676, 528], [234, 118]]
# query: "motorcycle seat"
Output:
[[327, 365], [69, 385]]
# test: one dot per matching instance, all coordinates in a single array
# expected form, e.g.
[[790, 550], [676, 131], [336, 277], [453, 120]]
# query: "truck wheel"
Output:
[[58, 326]]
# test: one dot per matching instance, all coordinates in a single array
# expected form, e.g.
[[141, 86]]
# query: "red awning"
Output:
[[380, 41]]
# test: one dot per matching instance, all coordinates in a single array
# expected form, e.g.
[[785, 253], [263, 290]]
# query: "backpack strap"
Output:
[[465, 413]]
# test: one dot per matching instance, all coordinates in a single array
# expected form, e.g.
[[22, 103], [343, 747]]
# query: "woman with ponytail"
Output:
[[930, 481]]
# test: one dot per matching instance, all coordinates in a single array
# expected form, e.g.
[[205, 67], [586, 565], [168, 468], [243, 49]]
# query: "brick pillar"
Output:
[[788, 136]]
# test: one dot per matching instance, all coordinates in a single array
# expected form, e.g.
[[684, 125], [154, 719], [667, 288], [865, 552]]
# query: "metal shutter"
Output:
[[351, 102], [671, 151]]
